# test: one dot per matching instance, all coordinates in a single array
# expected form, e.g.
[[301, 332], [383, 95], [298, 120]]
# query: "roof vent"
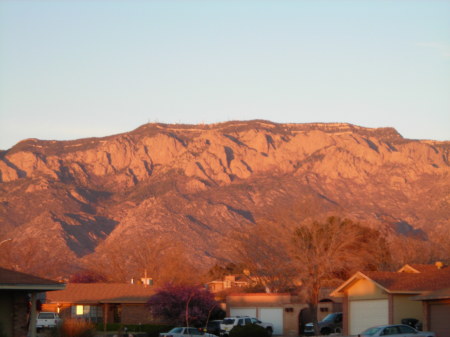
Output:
[[439, 265]]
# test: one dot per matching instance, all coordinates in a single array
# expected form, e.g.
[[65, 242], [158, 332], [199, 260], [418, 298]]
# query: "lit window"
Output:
[[79, 310]]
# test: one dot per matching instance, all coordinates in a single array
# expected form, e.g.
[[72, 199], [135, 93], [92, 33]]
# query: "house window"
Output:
[[324, 309], [79, 310], [89, 313]]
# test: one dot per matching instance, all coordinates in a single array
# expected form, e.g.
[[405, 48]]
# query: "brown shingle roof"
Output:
[[101, 293], [432, 279], [429, 279], [11, 279]]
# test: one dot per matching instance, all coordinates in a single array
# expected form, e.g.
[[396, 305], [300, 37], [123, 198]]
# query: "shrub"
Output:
[[74, 328], [250, 330]]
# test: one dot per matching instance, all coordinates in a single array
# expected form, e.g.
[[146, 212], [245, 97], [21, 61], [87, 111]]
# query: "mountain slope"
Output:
[[68, 202]]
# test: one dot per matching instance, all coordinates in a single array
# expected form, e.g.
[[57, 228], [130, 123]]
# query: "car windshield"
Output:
[[329, 317], [176, 330], [371, 331], [46, 315], [228, 321]]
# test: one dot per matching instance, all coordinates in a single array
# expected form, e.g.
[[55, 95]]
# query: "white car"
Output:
[[229, 323], [185, 332], [396, 330], [47, 320]]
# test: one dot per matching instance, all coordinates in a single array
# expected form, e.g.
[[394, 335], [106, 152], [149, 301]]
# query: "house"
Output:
[[17, 291], [102, 302], [378, 297], [436, 306], [286, 312], [228, 282]]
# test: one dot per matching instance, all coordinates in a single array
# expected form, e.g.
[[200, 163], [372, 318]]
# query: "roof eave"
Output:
[[33, 287], [339, 292], [97, 302]]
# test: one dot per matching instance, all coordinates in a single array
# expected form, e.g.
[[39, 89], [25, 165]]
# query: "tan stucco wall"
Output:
[[365, 290], [404, 307], [290, 319]]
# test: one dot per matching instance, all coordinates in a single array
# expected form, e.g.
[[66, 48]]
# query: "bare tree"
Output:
[[265, 256], [163, 260], [332, 250], [417, 250]]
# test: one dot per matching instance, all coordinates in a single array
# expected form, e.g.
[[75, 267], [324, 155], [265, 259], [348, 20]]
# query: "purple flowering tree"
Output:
[[184, 305]]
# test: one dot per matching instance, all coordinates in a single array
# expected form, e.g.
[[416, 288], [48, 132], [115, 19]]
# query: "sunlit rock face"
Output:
[[202, 184]]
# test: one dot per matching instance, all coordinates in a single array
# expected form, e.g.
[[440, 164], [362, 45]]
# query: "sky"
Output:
[[76, 68]]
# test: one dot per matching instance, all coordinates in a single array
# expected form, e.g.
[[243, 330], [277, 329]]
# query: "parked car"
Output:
[[229, 323], [185, 332], [332, 323], [213, 327], [395, 330], [47, 320]]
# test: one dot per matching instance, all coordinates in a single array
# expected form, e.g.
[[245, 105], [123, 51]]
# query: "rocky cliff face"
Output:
[[63, 202]]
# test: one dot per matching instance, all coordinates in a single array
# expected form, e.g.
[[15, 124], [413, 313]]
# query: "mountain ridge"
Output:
[[191, 182]]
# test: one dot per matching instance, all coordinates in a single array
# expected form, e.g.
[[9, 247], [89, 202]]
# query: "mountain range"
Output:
[[67, 202]]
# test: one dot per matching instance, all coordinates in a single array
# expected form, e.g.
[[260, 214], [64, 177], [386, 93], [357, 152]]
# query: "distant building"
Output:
[[102, 302], [228, 282]]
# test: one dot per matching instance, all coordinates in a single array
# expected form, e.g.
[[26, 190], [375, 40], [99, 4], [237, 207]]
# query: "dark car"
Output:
[[213, 327], [332, 323]]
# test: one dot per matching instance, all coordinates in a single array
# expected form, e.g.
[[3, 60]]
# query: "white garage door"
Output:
[[367, 313], [274, 316], [243, 312]]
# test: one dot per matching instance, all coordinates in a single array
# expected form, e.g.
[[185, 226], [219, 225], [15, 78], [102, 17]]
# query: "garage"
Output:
[[439, 315], [269, 315], [243, 312], [274, 316], [367, 313]]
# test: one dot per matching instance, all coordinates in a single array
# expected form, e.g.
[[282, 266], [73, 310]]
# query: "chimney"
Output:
[[439, 265]]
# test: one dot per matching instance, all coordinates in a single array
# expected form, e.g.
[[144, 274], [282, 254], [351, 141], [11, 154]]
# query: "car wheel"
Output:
[[269, 331], [325, 331], [338, 330]]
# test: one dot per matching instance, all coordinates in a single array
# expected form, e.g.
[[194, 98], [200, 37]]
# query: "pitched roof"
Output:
[[430, 279], [14, 280], [414, 282], [101, 293], [417, 268]]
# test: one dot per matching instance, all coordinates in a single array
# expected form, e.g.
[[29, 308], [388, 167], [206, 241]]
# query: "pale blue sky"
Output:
[[74, 69]]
